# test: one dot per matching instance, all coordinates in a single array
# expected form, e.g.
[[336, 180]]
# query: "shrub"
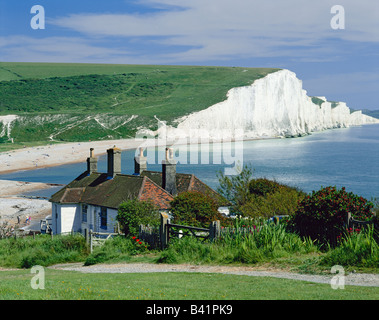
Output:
[[322, 214], [195, 209], [355, 249], [263, 187], [284, 201], [258, 197], [132, 213]]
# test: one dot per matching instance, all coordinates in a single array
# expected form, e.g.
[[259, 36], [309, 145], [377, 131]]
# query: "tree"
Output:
[[195, 209], [258, 197], [132, 213], [235, 188]]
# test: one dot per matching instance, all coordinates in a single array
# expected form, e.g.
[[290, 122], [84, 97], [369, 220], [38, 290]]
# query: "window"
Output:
[[103, 218], [84, 212]]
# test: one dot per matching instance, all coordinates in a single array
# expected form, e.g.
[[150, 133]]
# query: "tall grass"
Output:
[[250, 244], [27, 252], [358, 249]]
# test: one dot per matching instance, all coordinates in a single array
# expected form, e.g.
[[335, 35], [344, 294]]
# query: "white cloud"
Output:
[[215, 29], [57, 49]]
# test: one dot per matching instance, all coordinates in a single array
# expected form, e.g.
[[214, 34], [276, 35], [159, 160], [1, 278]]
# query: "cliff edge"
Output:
[[273, 106]]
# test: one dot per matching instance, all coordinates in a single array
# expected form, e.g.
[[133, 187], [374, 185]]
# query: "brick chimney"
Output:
[[114, 161], [91, 162], [169, 172], [140, 163]]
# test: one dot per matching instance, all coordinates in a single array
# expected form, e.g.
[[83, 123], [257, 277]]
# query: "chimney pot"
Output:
[[140, 163], [114, 161], [169, 172], [91, 162]]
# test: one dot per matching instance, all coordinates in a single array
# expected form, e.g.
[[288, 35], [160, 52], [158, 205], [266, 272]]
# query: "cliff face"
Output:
[[274, 106]]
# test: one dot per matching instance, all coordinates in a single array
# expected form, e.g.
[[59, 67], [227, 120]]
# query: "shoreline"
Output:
[[51, 155], [13, 205]]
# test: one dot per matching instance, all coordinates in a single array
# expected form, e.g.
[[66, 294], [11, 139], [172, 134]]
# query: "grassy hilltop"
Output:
[[78, 102]]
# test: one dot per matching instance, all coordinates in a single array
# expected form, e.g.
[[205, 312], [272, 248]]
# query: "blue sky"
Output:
[[342, 64]]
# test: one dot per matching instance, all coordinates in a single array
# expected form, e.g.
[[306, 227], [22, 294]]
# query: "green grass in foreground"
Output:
[[68, 285]]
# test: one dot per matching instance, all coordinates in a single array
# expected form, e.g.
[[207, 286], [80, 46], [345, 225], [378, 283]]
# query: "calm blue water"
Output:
[[342, 157]]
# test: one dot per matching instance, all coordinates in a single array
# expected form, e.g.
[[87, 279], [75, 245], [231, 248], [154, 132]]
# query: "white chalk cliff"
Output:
[[273, 106]]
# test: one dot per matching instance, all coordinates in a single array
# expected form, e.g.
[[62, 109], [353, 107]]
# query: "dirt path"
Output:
[[356, 279]]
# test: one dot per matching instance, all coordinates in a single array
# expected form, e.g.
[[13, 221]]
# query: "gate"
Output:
[[167, 230], [99, 238]]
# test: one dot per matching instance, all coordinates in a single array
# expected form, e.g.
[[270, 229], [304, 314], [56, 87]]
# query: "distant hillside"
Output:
[[78, 102], [371, 113]]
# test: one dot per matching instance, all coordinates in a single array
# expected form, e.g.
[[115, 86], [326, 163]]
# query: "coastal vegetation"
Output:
[[78, 102], [311, 238], [244, 241], [82, 102]]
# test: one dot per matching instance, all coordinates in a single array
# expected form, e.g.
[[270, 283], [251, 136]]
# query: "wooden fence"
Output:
[[167, 230], [356, 224]]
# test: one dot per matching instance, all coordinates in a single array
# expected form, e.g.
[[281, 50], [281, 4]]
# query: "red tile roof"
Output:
[[151, 191]]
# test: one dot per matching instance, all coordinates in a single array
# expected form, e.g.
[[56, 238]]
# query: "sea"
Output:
[[346, 157]]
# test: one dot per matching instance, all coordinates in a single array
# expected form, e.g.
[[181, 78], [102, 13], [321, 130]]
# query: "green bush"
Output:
[[358, 249], [258, 197], [132, 213], [322, 214], [263, 187], [195, 209], [283, 201]]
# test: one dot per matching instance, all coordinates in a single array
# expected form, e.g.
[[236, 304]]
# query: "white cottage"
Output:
[[91, 200]]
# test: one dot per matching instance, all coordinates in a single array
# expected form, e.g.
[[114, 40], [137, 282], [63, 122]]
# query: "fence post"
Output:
[[90, 240], [348, 220], [214, 230], [163, 231]]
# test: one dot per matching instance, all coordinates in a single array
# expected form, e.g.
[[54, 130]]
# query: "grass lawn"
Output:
[[69, 285]]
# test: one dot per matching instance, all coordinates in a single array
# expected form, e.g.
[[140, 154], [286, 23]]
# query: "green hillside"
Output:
[[77, 102]]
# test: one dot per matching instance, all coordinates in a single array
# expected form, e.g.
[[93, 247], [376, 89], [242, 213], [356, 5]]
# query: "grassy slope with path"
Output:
[[78, 102]]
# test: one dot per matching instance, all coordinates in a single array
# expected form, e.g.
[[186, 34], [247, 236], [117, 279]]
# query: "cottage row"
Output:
[[92, 199]]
